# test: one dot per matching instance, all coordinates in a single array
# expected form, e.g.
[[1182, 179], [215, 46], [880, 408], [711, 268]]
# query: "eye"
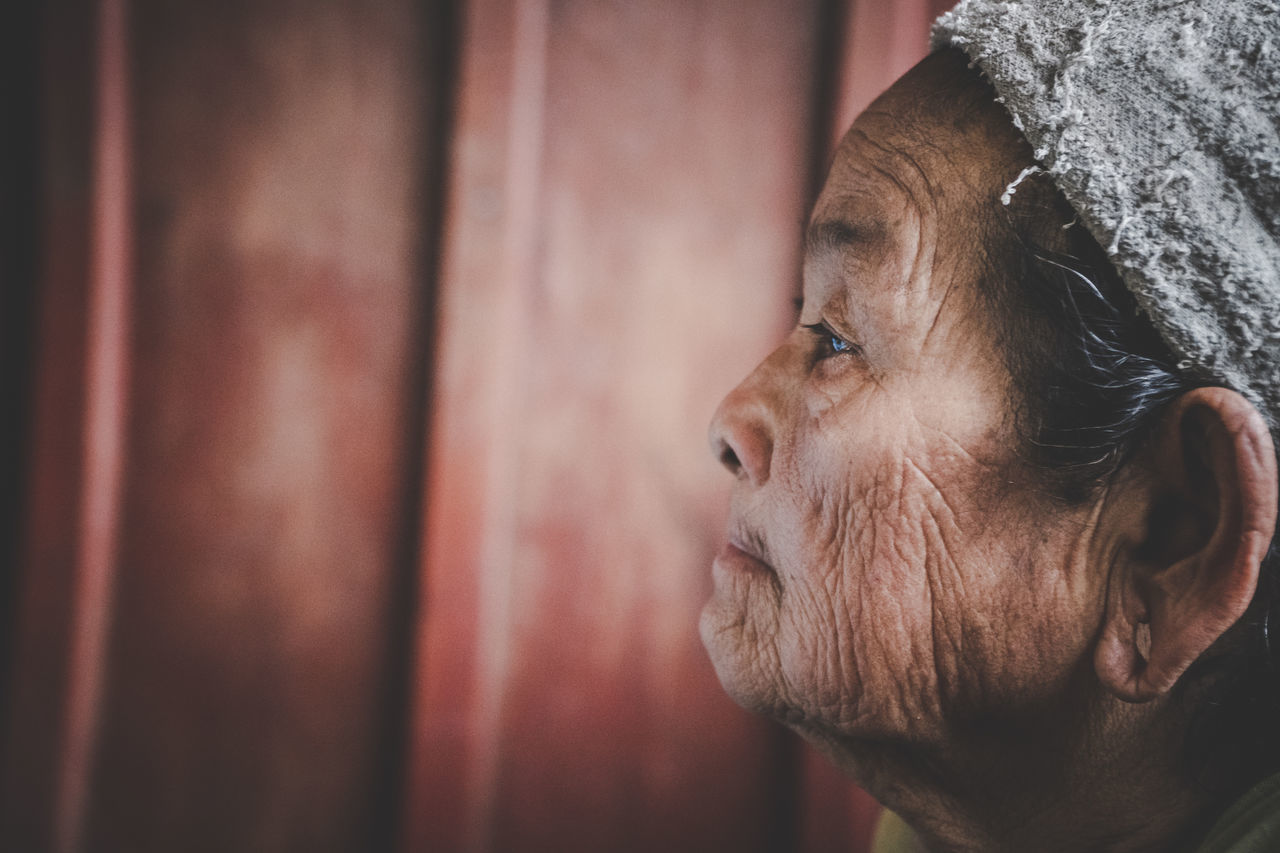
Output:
[[829, 343]]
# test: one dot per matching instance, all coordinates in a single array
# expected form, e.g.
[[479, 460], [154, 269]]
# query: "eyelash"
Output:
[[831, 343]]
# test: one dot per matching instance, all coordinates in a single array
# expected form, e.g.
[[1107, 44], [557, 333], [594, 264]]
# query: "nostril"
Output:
[[730, 460], [741, 435]]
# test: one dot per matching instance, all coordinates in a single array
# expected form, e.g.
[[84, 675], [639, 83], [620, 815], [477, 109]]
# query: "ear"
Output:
[[1193, 521]]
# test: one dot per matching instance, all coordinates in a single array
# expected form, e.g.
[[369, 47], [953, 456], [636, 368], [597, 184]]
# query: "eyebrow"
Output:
[[837, 234]]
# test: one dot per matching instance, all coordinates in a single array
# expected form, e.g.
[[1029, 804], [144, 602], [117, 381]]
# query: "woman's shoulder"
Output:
[[1251, 825], [893, 835]]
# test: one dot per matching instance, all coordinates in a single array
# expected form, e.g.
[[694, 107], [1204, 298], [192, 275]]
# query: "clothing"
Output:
[[1251, 825], [893, 835], [1159, 120]]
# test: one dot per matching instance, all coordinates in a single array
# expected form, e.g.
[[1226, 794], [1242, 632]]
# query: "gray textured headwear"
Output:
[[1159, 120]]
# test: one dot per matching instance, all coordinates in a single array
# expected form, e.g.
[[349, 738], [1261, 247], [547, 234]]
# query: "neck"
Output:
[[1105, 775]]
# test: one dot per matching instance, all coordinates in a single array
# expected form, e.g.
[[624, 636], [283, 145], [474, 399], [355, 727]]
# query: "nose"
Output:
[[742, 431]]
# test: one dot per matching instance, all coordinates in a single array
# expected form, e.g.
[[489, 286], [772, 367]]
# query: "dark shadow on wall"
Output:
[[440, 24], [20, 238]]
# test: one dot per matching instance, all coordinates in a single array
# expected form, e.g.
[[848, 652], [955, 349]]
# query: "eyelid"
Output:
[[823, 330]]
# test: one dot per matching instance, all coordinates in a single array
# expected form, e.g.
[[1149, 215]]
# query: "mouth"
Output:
[[743, 554]]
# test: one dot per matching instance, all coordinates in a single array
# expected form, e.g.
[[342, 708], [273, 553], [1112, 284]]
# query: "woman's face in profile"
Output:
[[892, 569]]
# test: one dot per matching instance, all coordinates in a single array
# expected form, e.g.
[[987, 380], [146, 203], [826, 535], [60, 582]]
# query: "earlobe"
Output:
[[1193, 526], [1119, 658]]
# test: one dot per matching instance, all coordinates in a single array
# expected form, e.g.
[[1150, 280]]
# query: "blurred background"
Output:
[[357, 357]]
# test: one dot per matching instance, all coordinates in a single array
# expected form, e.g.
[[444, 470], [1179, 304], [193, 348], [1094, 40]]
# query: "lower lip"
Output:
[[733, 559]]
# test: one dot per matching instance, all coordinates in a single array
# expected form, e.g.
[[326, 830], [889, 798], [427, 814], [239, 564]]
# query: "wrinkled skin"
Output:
[[899, 587], [914, 570], [902, 588]]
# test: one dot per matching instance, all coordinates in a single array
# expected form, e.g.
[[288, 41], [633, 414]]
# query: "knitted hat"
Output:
[[1159, 120]]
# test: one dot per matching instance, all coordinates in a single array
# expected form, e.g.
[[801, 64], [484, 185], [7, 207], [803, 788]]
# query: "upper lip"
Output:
[[749, 542]]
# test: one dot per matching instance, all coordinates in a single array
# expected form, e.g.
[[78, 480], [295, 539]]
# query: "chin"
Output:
[[736, 667]]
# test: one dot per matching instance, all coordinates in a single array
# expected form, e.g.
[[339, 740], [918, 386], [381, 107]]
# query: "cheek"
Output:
[[913, 596], [905, 599], [858, 628]]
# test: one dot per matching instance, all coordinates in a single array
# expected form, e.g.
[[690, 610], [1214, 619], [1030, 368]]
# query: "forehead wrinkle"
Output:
[[827, 293], [901, 154], [924, 210], [859, 220], [922, 205], [841, 240]]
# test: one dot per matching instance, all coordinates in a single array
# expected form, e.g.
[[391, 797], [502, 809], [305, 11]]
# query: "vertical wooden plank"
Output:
[[106, 386], [494, 176], [48, 578], [628, 186], [676, 141], [279, 176], [21, 224]]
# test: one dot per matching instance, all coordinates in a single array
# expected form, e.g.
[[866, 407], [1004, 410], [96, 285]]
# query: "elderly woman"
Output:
[[999, 538]]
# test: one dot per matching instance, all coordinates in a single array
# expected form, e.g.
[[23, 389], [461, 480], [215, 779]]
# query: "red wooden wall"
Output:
[[361, 355]]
